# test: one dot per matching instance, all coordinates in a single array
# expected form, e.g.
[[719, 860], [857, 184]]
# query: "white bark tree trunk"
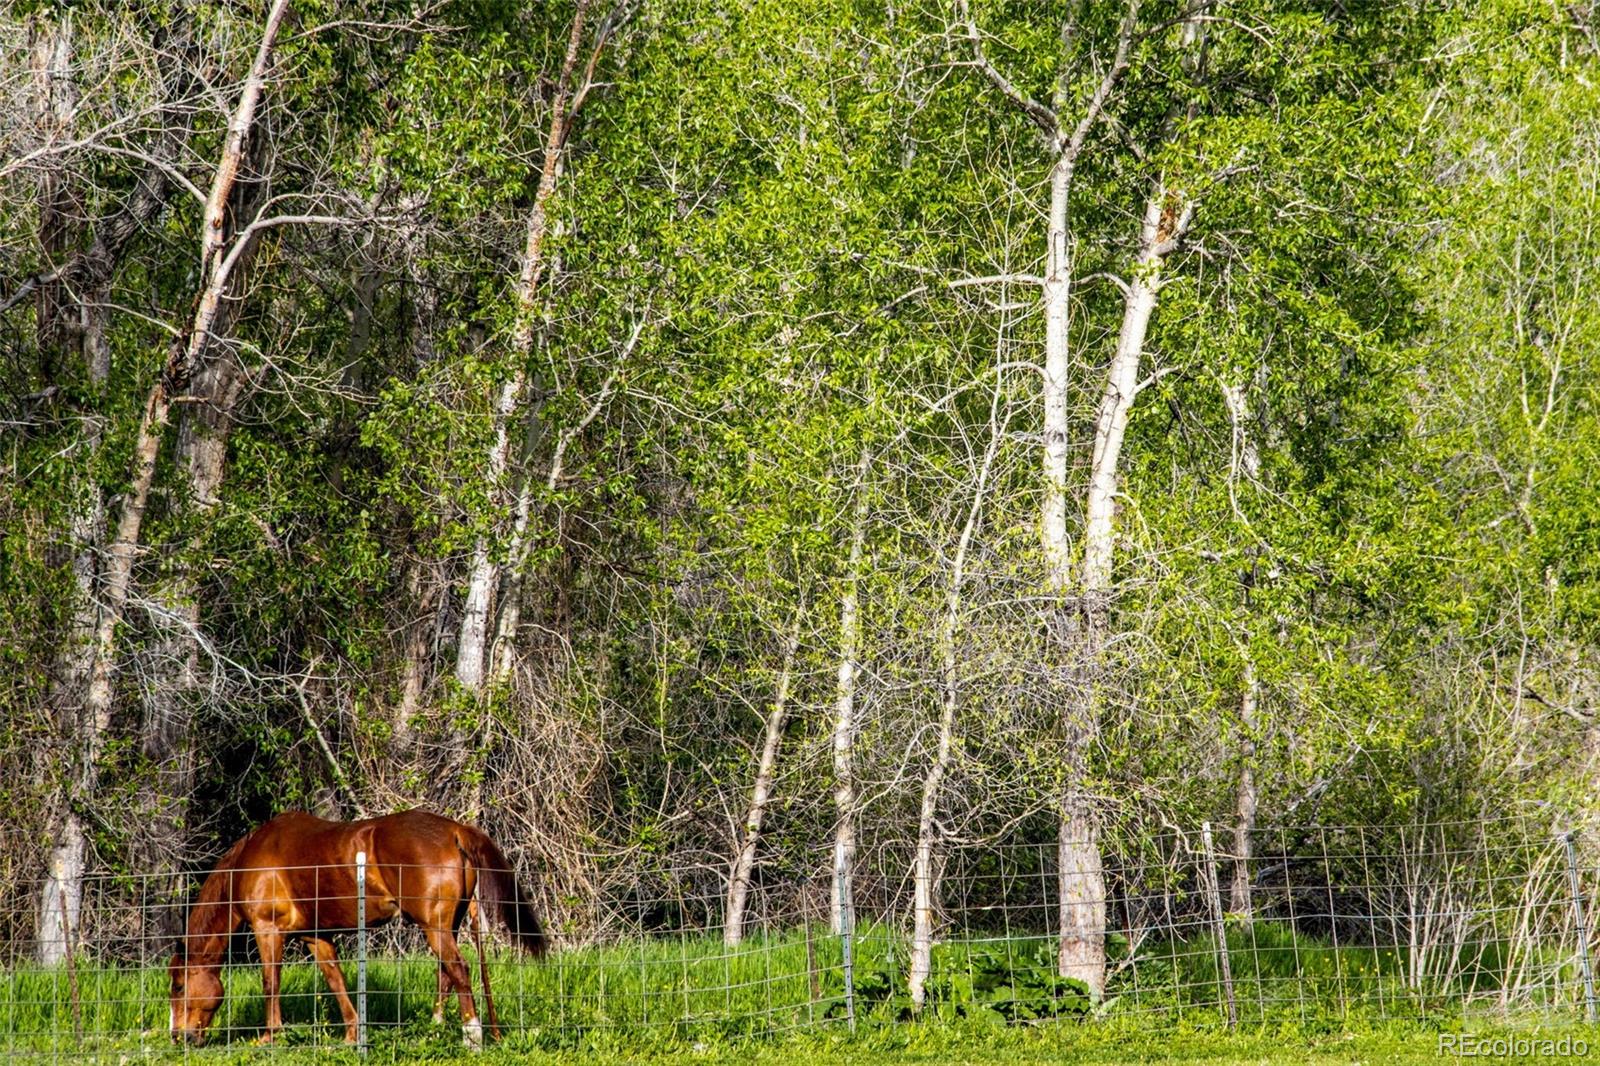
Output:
[[63, 885], [844, 711], [60, 897], [483, 572], [523, 543], [1082, 888], [1244, 825], [1082, 873], [924, 872], [750, 835], [1246, 459]]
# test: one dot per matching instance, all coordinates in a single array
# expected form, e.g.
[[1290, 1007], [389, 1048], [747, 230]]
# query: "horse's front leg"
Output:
[[270, 943]]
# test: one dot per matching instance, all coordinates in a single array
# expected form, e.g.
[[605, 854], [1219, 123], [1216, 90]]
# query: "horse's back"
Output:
[[294, 839]]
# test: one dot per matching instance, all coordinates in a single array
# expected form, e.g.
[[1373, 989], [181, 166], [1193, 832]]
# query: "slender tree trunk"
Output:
[[421, 595], [1081, 888], [750, 836], [1246, 460], [483, 571], [1245, 794], [523, 543], [924, 872], [844, 703], [63, 885], [60, 899], [1082, 873], [55, 98], [925, 886]]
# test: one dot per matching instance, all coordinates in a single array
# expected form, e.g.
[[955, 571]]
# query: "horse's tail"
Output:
[[501, 893]]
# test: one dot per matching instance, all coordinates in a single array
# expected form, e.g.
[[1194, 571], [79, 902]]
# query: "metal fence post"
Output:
[[361, 952], [1219, 929], [847, 925], [1583, 929]]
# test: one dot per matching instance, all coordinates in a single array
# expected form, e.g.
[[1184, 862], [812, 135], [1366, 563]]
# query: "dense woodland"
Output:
[[700, 440]]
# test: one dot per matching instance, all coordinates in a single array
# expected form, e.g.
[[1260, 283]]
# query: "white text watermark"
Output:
[[1521, 1046]]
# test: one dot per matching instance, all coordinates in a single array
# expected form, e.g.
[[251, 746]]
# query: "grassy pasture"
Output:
[[671, 996]]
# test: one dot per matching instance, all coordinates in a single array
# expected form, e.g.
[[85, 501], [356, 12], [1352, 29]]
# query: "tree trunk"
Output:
[[483, 572], [56, 314], [62, 890], [524, 543], [925, 887], [421, 595], [744, 861], [844, 718], [1082, 888], [178, 685], [1245, 794], [925, 884], [1246, 459]]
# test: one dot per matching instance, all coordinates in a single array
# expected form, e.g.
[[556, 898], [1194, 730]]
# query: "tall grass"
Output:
[[694, 988]]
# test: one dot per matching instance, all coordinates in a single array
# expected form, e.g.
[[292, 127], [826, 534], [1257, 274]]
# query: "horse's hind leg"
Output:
[[438, 1002], [479, 927], [328, 962], [443, 943]]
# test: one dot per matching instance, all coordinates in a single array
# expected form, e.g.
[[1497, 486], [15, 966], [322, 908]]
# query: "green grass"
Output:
[[777, 998]]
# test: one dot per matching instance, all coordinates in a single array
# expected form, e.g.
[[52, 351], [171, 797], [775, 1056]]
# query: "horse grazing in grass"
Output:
[[295, 878]]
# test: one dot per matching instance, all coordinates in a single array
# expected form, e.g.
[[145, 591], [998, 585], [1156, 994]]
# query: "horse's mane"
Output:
[[211, 915]]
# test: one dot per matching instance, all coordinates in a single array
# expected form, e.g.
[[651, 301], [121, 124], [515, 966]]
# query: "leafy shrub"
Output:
[[1002, 985]]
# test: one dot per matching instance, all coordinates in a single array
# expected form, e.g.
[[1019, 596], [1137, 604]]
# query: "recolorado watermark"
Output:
[[1512, 1045]]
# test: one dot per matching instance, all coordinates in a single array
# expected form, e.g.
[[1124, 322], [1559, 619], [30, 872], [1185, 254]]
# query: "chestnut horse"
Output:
[[295, 878]]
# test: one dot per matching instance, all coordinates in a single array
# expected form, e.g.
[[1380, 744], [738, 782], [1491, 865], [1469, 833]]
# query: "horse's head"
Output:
[[196, 993]]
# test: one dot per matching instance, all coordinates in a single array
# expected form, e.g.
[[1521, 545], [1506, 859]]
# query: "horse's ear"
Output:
[[180, 951]]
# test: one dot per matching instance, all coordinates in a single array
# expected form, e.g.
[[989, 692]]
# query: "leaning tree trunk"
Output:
[[483, 571], [924, 871], [1082, 899], [844, 716], [750, 836], [62, 889], [182, 671]]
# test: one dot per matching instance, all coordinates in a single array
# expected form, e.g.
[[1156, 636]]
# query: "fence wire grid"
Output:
[[1342, 922]]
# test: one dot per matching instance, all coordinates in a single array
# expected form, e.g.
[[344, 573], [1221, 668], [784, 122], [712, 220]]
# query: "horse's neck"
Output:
[[212, 919]]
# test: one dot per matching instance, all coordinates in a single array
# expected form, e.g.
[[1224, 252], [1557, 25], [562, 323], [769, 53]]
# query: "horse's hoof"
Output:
[[472, 1035]]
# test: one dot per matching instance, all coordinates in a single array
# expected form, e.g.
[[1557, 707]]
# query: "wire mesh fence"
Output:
[[1333, 923]]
